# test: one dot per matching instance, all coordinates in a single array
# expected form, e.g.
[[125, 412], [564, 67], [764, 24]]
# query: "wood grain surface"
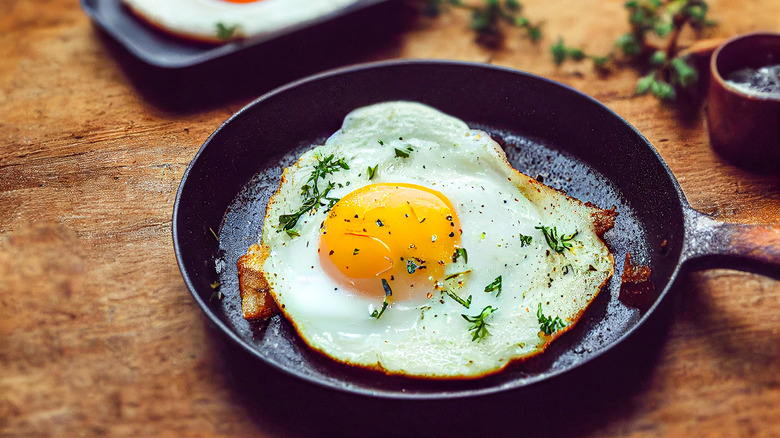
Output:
[[100, 337]]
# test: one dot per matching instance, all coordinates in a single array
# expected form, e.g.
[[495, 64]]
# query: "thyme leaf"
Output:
[[479, 327], [372, 172], [548, 324], [401, 153], [558, 243], [495, 285], [457, 274], [388, 292], [465, 303], [225, 32], [378, 313]]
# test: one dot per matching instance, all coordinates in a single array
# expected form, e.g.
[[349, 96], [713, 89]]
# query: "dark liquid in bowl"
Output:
[[758, 82]]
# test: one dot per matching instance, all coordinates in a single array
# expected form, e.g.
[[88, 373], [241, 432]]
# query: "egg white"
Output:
[[200, 19], [496, 205]]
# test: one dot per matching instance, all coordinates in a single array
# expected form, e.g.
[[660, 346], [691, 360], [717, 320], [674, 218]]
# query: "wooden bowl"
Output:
[[744, 128]]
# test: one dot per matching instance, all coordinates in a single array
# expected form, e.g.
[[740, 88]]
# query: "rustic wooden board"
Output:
[[99, 336]]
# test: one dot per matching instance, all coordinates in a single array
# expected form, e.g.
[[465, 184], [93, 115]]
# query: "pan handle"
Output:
[[711, 243]]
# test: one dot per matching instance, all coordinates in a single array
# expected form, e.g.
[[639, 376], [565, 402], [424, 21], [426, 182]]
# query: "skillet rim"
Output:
[[445, 394]]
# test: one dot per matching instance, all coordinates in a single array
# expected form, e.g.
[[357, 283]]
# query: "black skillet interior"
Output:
[[573, 142]]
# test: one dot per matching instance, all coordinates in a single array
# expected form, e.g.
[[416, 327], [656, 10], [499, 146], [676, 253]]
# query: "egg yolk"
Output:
[[403, 234]]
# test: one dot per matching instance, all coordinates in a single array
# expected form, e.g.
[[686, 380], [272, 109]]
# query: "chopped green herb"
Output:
[[224, 32], [356, 251], [558, 243], [401, 153], [457, 274], [380, 142], [292, 233], [548, 324], [479, 326], [495, 285], [378, 313], [372, 172], [312, 195], [460, 252], [525, 240], [465, 303]]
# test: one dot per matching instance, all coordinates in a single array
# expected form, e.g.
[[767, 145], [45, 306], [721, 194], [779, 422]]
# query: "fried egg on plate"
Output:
[[408, 244], [225, 20]]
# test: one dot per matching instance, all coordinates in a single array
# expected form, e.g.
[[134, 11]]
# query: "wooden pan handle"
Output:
[[748, 247]]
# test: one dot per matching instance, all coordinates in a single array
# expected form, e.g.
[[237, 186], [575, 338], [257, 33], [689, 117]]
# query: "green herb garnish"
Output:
[[388, 292], [558, 243], [666, 69], [479, 326], [457, 274], [465, 303], [460, 252], [224, 32], [525, 240], [495, 285], [561, 52], [372, 172], [489, 19], [548, 324], [312, 195], [378, 313], [401, 153]]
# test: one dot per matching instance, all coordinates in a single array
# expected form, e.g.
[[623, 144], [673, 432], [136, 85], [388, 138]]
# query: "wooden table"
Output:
[[99, 335]]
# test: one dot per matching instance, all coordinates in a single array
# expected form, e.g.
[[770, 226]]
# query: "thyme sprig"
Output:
[[489, 19], [558, 243], [494, 286], [667, 69], [479, 326], [313, 196], [548, 324], [465, 303]]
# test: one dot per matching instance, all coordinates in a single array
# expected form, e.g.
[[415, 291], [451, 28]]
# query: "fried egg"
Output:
[[408, 244], [226, 20]]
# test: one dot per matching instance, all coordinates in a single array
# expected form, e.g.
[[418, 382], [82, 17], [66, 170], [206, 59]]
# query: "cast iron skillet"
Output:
[[549, 130], [159, 49]]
